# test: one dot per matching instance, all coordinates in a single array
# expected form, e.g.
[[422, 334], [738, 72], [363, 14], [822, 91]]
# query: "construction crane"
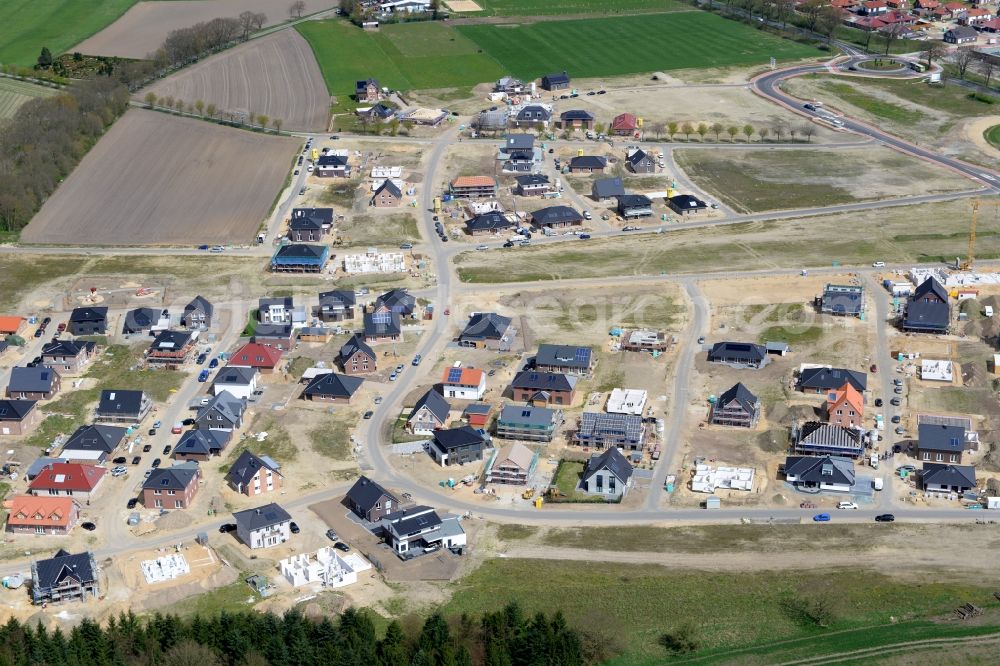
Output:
[[970, 258]]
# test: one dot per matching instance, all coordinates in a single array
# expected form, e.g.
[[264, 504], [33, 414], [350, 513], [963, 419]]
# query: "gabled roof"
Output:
[[556, 215], [533, 112], [944, 438], [119, 402], [411, 521], [390, 187], [517, 453], [272, 331], [177, 477], [39, 510], [382, 324], [820, 469], [89, 314], [15, 410], [637, 157], [235, 375], [365, 494], [740, 394], [261, 517], [825, 379], [361, 84], [311, 218], [543, 381], [454, 438], [256, 355], [37, 379], [569, 356], [435, 403], [333, 385], [576, 114], [226, 404], [930, 316], [71, 348], [843, 299], [337, 298], [846, 395], [354, 345], [519, 142], [532, 179], [634, 200], [202, 442], [95, 438], [588, 162], [625, 121], [558, 78], [397, 299], [169, 341], [246, 467], [963, 32], [611, 460], [65, 476], [827, 434], [11, 323], [930, 287], [52, 572], [606, 188], [301, 251], [489, 221], [462, 376], [486, 326], [199, 304], [963, 476], [526, 415], [595, 424]]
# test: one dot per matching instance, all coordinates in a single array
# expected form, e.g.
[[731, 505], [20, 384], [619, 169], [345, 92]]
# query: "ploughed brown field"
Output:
[[142, 29], [157, 179], [275, 75]]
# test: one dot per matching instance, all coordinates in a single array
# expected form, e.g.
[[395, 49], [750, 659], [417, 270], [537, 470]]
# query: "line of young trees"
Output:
[[502, 638], [778, 130], [46, 139]]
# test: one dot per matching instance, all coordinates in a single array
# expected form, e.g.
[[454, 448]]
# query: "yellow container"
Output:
[[538, 502], [638, 123]]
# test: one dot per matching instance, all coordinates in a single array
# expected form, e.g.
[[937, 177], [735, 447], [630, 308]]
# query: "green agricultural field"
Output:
[[554, 7], [15, 93], [404, 56], [28, 25], [616, 46]]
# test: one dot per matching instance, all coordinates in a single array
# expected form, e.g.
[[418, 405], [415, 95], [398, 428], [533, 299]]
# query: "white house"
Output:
[[463, 383], [264, 526], [405, 6], [626, 401], [275, 310], [240, 381], [419, 528], [327, 568]]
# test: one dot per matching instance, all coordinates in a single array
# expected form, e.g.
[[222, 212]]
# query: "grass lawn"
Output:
[[793, 335], [603, 7], [231, 598], [15, 93], [750, 613], [28, 25], [388, 231], [876, 107], [993, 136], [332, 436], [566, 480], [278, 444], [675, 41]]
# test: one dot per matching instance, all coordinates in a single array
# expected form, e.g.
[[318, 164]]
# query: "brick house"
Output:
[[70, 479], [370, 501], [357, 358], [35, 383], [845, 406], [253, 475], [387, 195], [543, 388], [31, 514], [171, 487], [18, 417], [68, 357], [332, 387], [254, 355]]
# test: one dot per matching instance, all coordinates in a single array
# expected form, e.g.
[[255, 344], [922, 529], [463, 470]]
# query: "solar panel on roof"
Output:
[[454, 375], [582, 354], [381, 317]]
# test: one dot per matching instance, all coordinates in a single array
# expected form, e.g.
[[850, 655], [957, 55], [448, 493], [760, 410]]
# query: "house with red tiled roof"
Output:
[[474, 187], [463, 383], [874, 7], [255, 355], [846, 5], [30, 514], [624, 125], [976, 16], [71, 479], [926, 6], [845, 406], [993, 25], [11, 325]]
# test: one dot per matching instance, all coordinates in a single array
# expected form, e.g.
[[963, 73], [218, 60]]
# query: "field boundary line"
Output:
[[893, 647]]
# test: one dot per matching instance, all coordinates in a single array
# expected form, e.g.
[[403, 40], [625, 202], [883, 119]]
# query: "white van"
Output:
[[847, 505], [878, 264]]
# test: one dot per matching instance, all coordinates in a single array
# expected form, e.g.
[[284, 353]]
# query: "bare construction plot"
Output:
[[275, 75], [157, 179], [144, 27]]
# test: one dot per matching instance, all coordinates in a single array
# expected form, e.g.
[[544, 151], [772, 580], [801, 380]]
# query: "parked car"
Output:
[[331, 534], [885, 518], [895, 419], [584, 236], [900, 430], [294, 527], [147, 448], [201, 358], [120, 460], [874, 368], [225, 528], [878, 402], [156, 463], [176, 429], [368, 415], [897, 382], [132, 501], [218, 248], [896, 401], [417, 359], [203, 375], [508, 244], [406, 246], [152, 432], [701, 340], [166, 450], [898, 390], [399, 368], [482, 248], [90, 527], [878, 264], [136, 460], [847, 505], [188, 421], [340, 545], [214, 363], [393, 377], [821, 518]]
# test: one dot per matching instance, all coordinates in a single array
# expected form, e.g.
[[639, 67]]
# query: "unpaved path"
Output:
[[974, 130]]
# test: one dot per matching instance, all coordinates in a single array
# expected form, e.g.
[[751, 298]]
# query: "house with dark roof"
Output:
[[532, 115], [458, 446], [387, 195], [18, 417], [960, 34], [275, 310], [528, 423], [396, 300], [739, 354], [490, 222], [588, 164], [634, 206], [568, 359], [64, 577], [817, 438], [576, 119], [556, 217], [820, 472], [377, 113], [255, 355], [300, 258], [370, 501], [336, 305], [606, 189], [430, 413], [509, 85], [486, 330], [607, 474], [367, 91], [382, 327], [333, 166], [120, 406], [532, 185], [93, 443], [736, 407], [140, 320], [278, 336], [686, 204], [517, 161], [68, 357], [936, 477], [845, 300], [556, 81], [624, 124], [263, 526], [198, 313], [639, 161], [824, 380], [309, 225], [419, 529], [253, 475], [928, 309], [201, 444], [78, 480], [357, 358], [223, 412], [332, 387], [88, 321], [171, 349], [171, 487], [940, 443], [35, 383], [601, 431], [238, 380], [543, 388]]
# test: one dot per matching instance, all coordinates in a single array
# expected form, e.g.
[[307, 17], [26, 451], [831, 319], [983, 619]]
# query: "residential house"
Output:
[[576, 119], [378, 113], [739, 354], [398, 301], [317, 334], [529, 423], [543, 388], [430, 413], [824, 380], [532, 115], [492, 120], [309, 225], [88, 321], [843, 299], [486, 330], [976, 16], [532, 185], [624, 124], [41, 515], [278, 336], [275, 310], [332, 387], [253, 475], [639, 161], [141, 320], [820, 473], [68, 357], [686, 204], [370, 501], [77, 480], [93, 443], [463, 383], [239, 380], [626, 401], [300, 258], [387, 195], [556, 217], [474, 187], [12, 325], [608, 474], [120, 406], [477, 414], [928, 309], [873, 8], [264, 526], [420, 529], [357, 358], [332, 166], [367, 91], [736, 407], [634, 206], [521, 161], [816, 438], [567, 359], [845, 406], [171, 487], [64, 577], [935, 477], [606, 189], [517, 144], [490, 222], [644, 340], [512, 465], [601, 431], [35, 383], [588, 164], [254, 355], [202, 444], [557, 81], [171, 348], [18, 417], [382, 327], [222, 412], [458, 445], [940, 443], [198, 314], [336, 305], [509, 85]]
